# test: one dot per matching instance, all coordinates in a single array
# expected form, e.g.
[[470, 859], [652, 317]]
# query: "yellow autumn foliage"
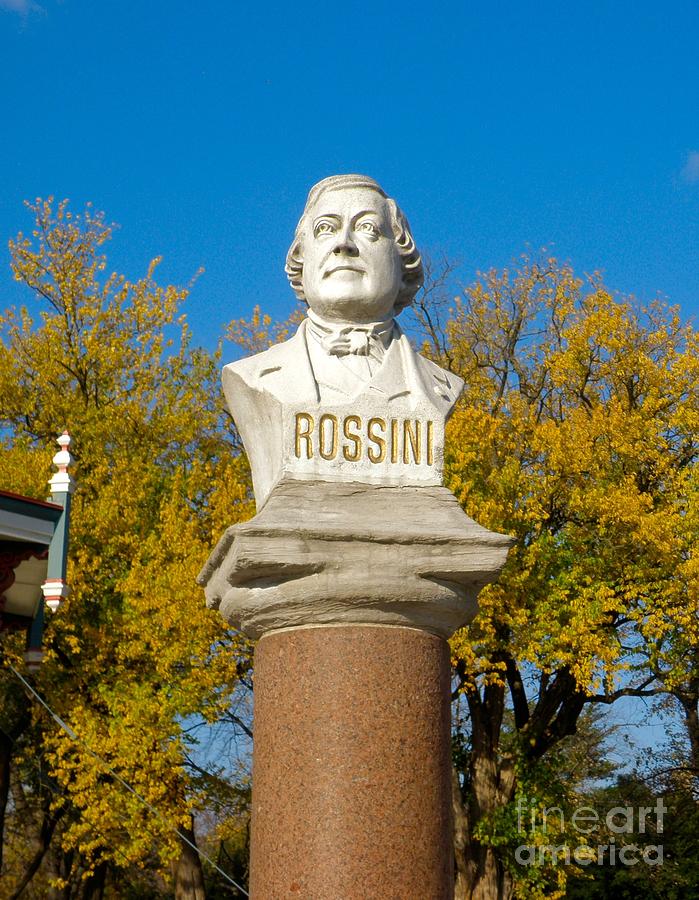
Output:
[[133, 653], [577, 434]]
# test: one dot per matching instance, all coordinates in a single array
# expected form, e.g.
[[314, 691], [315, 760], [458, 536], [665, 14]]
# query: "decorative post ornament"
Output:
[[356, 569], [54, 589], [62, 485]]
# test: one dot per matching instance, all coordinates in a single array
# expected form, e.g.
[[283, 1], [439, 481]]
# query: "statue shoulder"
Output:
[[442, 386], [441, 374], [252, 370]]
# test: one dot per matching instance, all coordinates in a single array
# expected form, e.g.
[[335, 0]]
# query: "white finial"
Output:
[[62, 482], [54, 591]]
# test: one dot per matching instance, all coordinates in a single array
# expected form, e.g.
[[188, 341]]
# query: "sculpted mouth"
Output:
[[343, 269]]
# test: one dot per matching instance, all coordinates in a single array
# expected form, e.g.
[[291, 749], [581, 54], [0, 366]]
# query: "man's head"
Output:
[[353, 257]]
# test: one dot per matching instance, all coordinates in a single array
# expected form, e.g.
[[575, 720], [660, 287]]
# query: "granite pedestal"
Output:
[[351, 771]]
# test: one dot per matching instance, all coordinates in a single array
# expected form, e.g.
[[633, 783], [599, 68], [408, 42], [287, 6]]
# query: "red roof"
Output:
[[29, 500]]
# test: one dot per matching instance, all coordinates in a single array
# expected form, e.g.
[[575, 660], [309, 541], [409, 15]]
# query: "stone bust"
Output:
[[344, 428], [346, 398]]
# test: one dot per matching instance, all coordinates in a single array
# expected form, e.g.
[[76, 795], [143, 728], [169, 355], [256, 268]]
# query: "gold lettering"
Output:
[[374, 455], [353, 455], [332, 452], [394, 440], [304, 435], [414, 437], [430, 439]]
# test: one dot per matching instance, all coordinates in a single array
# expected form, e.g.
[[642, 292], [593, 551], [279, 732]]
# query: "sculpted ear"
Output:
[[294, 265], [411, 262]]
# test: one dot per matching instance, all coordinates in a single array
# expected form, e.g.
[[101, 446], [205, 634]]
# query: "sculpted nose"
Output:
[[345, 244]]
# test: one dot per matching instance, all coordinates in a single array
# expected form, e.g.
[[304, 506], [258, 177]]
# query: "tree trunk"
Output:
[[60, 865], [691, 721], [48, 826], [16, 720], [5, 757], [461, 840], [93, 888], [189, 876], [479, 873], [493, 880]]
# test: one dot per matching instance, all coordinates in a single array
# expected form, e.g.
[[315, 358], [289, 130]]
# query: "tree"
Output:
[[674, 873], [133, 652], [577, 434]]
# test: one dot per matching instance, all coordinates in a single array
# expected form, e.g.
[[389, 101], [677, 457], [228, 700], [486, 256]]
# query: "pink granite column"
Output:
[[351, 768]]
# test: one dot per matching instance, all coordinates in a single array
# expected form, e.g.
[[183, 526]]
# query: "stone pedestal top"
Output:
[[351, 553]]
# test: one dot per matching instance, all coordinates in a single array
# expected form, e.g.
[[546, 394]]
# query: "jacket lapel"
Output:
[[289, 376]]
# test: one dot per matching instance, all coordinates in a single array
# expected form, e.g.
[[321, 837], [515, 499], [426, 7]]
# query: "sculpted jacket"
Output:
[[262, 390]]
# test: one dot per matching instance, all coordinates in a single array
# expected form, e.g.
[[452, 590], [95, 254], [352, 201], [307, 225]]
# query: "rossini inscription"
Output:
[[400, 441], [370, 442]]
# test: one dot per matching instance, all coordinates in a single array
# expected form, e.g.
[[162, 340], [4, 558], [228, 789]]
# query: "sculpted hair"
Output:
[[411, 262]]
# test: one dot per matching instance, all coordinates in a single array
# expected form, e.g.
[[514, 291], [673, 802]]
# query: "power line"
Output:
[[105, 765]]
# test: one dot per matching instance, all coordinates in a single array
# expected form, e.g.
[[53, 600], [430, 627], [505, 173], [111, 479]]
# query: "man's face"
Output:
[[351, 266]]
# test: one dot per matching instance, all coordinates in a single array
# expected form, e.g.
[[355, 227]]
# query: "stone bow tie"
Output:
[[346, 340]]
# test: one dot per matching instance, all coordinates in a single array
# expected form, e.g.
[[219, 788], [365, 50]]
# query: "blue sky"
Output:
[[200, 127]]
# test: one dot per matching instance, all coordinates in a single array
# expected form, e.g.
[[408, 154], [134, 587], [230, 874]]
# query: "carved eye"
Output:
[[368, 227], [323, 227]]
